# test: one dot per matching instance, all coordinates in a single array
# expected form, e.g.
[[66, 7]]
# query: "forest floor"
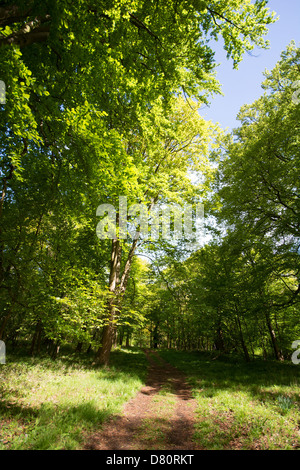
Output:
[[160, 416], [163, 400]]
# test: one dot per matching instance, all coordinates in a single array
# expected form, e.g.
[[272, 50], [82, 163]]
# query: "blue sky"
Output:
[[243, 86]]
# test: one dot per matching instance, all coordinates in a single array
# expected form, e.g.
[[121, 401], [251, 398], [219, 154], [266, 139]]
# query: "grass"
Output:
[[51, 405], [154, 429], [242, 405]]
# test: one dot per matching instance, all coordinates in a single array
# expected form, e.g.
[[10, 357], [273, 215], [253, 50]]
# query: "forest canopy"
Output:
[[102, 100]]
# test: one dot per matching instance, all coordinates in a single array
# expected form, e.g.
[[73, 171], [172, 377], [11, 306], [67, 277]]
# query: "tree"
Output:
[[258, 191], [243, 287], [86, 83], [166, 149], [118, 57], [259, 179]]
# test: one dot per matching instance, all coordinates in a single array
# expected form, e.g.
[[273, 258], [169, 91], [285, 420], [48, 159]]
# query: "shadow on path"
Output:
[[143, 425]]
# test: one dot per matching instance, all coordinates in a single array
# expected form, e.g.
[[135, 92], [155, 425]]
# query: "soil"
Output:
[[160, 416]]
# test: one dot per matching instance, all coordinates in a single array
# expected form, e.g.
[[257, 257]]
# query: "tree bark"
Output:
[[128, 339], [219, 342], [56, 348], [277, 353], [26, 39], [35, 344], [6, 318], [117, 286], [103, 353], [244, 347]]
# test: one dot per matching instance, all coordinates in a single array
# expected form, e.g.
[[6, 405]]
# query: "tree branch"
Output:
[[137, 22], [213, 13], [33, 31], [12, 14]]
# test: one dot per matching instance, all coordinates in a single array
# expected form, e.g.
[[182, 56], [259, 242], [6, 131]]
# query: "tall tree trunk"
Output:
[[277, 353], [56, 348], [155, 336], [103, 353], [121, 336], [3, 325], [128, 339], [36, 338], [219, 342], [243, 344], [117, 285], [7, 317]]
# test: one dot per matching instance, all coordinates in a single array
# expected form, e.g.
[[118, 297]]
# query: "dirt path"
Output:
[[159, 417]]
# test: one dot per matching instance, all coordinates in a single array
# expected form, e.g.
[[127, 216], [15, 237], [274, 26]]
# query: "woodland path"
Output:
[[159, 417]]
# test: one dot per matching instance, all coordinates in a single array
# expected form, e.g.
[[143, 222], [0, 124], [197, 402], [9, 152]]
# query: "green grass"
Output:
[[49, 405], [242, 405]]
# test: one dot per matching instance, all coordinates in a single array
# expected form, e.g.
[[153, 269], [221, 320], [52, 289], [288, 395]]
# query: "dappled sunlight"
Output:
[[49, 404], [160, 416], [237, 407]]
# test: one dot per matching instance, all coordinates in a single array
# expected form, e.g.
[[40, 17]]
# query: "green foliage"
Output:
[[240, 291], [259, 177], [241, 406], [102, 100], [285, 403], [52, 405]]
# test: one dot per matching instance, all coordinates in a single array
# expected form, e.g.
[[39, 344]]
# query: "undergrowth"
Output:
[[242, 405], [51, 404]]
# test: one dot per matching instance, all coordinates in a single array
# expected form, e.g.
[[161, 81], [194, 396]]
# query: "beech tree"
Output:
[[259, 177], [90, 115], [257, 195], [167, 148], [242, 288]]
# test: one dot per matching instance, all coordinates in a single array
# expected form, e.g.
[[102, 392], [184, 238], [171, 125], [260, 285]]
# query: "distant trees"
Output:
[[260, 195], [243, 287]]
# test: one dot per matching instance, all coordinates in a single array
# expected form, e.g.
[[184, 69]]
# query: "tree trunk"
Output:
[[55, 351], [117, 285], [128, 339], [155, 336], [35, 344], [219, 342], [244, 347], [121, 337], [277, 353], [103, 353], [5, 320]]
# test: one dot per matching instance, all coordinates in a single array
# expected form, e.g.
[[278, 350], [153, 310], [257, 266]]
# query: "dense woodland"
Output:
[[104, 99]]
